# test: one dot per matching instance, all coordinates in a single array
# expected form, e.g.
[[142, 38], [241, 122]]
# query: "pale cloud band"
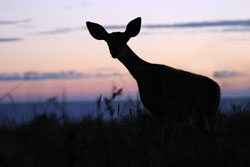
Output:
[[228, 24], [223, 23], [81, 75], [9, 39], [11, 22], [228, 74], [32, 76]]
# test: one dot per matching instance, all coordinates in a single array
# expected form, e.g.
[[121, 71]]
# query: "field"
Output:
[[133, 140]]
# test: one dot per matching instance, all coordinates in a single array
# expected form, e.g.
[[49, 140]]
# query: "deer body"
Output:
[[166, 92]]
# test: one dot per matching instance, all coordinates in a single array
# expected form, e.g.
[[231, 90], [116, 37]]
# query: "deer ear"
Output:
[[97, 31], [133, 28]]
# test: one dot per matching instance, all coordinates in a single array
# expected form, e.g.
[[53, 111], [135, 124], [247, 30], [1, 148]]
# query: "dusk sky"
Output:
[[45, 48]]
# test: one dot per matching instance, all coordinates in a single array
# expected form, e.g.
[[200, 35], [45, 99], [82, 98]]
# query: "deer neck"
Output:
[[132, 62]]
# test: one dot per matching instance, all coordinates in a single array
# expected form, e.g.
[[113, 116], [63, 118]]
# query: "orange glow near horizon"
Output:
[[81, 89], [198, 52]]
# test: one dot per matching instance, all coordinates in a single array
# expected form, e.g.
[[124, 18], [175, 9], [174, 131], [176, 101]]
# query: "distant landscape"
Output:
[[77, 109]]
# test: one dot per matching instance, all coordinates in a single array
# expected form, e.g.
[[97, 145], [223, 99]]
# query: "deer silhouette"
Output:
[[168, 93]]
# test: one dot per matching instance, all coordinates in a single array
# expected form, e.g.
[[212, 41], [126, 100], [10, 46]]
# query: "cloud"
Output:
[[229, 25], [237, 29], [224, 23], [32, 76], [85, 3], [56, 31], [114, 27], [10, 22], [79, 4], [10, 39], [228, 74]]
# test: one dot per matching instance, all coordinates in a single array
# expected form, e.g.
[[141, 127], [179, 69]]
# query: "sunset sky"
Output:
[[45, 48]]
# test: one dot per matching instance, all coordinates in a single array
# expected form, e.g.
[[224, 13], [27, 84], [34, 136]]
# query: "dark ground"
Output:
[[129, 141]]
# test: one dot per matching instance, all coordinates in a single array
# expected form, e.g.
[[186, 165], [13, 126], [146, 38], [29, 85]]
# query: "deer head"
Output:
[[116, 41]]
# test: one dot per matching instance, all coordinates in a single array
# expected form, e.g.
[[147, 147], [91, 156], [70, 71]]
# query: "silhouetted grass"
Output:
[[133, 140]]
